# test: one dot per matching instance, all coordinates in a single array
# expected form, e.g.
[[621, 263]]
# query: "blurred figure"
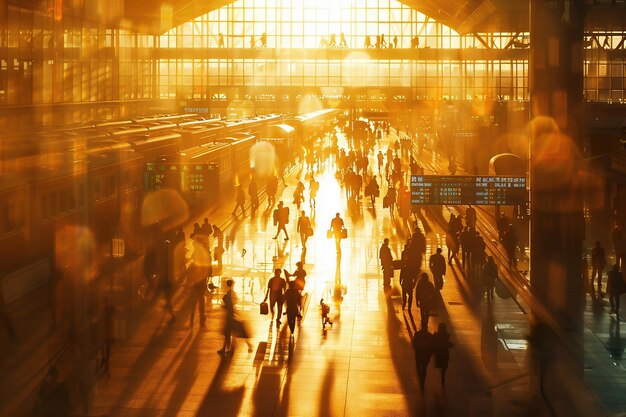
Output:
[[252, 42], [489, 277], [598, 261], [314, 187], [164, 280], [253, 192], [263, 40], [614, 287], [509, 241], [276, 290], [470, 217], [383, 42], [300, 276], [386, 262], [271, 188], [240, 199], [342, 41], [53, 398], [368, 42], [298, 194], [442, 345], [231, 324], [407, 278], [220, 40], [372, 190], [332, 43], [395, 42], [423, 347]]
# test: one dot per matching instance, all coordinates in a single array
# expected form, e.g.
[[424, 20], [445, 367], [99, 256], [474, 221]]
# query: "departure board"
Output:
[[478, 190], [182, 177]]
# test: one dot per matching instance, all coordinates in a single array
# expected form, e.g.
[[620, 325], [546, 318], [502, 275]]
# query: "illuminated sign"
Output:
[[182, 177], [456, 189]]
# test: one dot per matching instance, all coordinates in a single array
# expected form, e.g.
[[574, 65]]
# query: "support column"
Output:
[[557, 224]]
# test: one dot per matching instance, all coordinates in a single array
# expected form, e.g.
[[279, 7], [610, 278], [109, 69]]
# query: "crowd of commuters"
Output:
[[370, 41]]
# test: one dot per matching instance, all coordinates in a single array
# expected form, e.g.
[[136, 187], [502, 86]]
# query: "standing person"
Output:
[[442, 345], [489, 277], [614, 287], [598, 261], [240, 200], [281, 218], [386, 262], [372, 190], [220, 40], [298, 194], [276, 291], [390, 198], [337, 227], [425, 297], [407, 278], [368, 42], [304, 228], [465, 240], [271, 188], [395, 42], [196, 280], [380, 158], [423, 346], [437, 265], [383, 42], [293, 304], [263, 40], [253, 192], [252, 42]]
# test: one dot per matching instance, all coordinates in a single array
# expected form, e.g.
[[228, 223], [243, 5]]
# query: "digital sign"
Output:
[[182, 177], [478, 190]]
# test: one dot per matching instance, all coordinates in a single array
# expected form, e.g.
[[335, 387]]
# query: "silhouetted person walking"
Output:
[[407, 278], [281, 218], [489, 277], [304, 228], [293, 304], [442, 344], [271, 188], [437, 265], [423, 347], [425, 296], [337, 227], [276, 292]]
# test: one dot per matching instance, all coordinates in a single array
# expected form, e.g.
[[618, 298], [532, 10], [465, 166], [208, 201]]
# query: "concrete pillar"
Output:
[[557, 224]]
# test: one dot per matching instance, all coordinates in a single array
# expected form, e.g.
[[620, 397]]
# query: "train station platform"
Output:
[[361, 365]]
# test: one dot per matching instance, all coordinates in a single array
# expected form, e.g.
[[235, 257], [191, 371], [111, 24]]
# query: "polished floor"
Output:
[[362, 365]]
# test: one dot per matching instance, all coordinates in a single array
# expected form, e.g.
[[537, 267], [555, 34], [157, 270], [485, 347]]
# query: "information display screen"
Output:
[[478, 190], [182, 177]]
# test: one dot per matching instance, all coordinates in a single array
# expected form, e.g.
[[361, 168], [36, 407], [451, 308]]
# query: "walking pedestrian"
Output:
[[271, 188], [425, 294], [437, 265], [442, 344], [231, 323], [253, 192], [304, 228], [338, 230], [423, 347], [407, 278], [276, 291], [281, 218], [293, 304]]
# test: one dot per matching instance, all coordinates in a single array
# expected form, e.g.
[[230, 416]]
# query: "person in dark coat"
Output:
[[425, 297], [386, 262], [437, 264], [442, 345], [423, 346], [489, 277], [293, 304]]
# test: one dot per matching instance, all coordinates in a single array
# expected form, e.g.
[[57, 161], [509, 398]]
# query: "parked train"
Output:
[[95, 176]]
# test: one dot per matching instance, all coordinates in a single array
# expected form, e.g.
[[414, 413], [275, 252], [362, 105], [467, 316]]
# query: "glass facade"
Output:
[[343, 24]]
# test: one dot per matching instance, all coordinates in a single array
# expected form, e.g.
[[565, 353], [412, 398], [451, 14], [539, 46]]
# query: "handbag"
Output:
[[329, 234], [264, 308], [344, 233]]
